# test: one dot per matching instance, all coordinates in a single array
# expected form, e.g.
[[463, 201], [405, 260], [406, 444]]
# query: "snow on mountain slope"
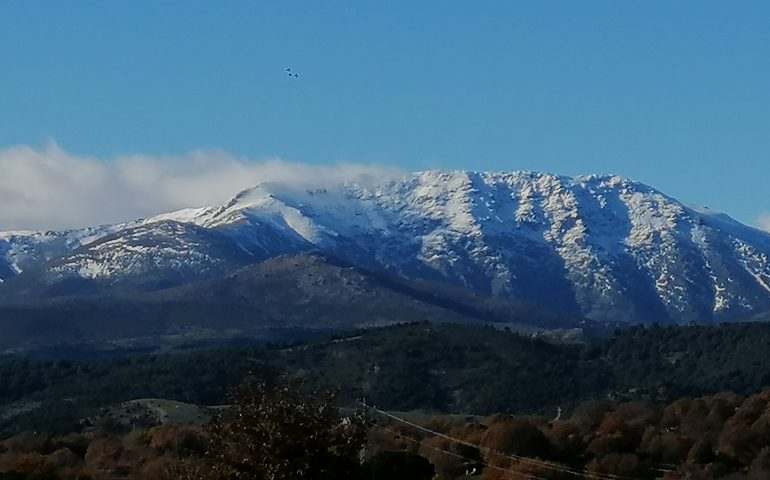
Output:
[[22, 250], [142, 250], [603, 246]]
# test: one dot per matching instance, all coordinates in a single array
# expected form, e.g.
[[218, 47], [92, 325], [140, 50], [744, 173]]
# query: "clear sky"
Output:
[[675, 94]]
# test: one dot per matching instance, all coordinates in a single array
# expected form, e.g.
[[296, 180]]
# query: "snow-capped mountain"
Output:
[[603, 246]]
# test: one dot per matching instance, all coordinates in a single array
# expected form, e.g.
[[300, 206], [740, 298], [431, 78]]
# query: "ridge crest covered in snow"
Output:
[[599, 245]]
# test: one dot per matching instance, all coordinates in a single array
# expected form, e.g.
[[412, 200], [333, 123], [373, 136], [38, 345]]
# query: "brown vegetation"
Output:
[[277, 432]]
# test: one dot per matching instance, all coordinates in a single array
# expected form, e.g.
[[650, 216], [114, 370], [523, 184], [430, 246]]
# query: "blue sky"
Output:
[[674, 94]]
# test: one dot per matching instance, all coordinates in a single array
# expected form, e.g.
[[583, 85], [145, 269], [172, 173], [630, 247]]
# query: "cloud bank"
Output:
[[763, 222], [48, 188]]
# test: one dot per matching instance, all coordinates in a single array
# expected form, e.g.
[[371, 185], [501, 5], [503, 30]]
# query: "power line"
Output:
[[528, 476], [544, 464]]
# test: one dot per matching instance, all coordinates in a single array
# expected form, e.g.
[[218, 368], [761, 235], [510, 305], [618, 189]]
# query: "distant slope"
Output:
[[280, 298], [471, 369]]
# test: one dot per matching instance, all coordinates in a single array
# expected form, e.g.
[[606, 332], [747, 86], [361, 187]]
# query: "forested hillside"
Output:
[[439, 368]]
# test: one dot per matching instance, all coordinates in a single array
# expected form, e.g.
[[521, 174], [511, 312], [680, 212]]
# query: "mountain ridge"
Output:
[[601, 246]]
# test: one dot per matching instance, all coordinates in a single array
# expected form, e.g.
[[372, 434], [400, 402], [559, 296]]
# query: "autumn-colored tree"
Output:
[[616, 434], [517, 436], [31, 465], [665, 446], [280, 432], [566, 439], [625, 464], [702, 452], [175, 439], [738, 443], [761, 464], [588, 415]]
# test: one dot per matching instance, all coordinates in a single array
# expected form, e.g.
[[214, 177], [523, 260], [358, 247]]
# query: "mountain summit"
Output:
[[604, 247]]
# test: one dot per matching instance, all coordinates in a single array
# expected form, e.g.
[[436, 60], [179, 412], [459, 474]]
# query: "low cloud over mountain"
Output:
[[763, 222], [49, 188]]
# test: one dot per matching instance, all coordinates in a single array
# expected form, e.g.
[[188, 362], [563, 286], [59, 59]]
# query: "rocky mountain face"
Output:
[[603, 247], [283, 298]]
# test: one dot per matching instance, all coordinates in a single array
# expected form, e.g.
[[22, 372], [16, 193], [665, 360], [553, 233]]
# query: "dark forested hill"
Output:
[[281, 298], [443, 368]]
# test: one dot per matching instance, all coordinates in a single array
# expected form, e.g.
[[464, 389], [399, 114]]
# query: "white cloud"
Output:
[[763, 222], [48, 188]]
